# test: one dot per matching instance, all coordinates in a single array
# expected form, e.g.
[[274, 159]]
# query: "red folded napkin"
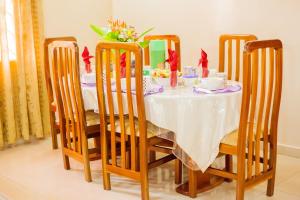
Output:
[[204, 62], [123, 65], [86, 58], [172, 60]]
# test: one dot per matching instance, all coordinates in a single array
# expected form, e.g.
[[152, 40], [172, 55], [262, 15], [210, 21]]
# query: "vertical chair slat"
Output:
[[72, 63], [120, 108], [110, 108], [229, 59], [69, 102], [268, 108], [147, 55], [254, 81], [260, 111], [130, 114], [63, 94], [56, 79], [237, 61]]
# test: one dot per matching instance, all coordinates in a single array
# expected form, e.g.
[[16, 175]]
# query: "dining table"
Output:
[[195, 120]]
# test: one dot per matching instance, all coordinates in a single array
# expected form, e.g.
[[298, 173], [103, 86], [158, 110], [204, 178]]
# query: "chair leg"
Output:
[[192, 183], [106, 180], [66, 162], [64, 145], [271, 185], [145, 188], [228, 166], [240, 191], [152, 156], [86, 160], [178, 171], [53, 131]]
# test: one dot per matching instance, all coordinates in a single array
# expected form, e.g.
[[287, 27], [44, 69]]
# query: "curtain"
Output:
[[23, 99]]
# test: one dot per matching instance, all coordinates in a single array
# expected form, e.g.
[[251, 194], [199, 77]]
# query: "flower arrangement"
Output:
[[119, 31]]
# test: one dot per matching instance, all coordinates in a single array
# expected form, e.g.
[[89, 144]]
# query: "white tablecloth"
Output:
[[199, 121]]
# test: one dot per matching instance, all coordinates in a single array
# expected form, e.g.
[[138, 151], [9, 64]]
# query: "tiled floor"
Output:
[[35, 172]]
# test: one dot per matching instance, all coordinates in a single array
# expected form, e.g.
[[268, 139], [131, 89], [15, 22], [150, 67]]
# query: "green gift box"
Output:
[[157, 53]]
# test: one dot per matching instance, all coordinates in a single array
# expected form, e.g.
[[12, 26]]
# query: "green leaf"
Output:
[[111, 36], [144, 33], [144, 44], [98, 30]]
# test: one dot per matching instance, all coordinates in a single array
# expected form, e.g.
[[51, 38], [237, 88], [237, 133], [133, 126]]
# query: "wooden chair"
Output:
[[52, 108], [76, 125], [170, 39], [136, 135], [229, 40], [255, 142]]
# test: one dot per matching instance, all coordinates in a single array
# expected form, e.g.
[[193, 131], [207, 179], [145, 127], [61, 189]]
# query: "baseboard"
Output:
[[288, 150]]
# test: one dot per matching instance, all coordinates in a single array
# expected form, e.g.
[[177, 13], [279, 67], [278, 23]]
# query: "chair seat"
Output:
[[92, 118], [152, 130], [231, 139]]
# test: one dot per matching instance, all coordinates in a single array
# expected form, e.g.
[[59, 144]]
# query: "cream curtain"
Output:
[[23, 98]]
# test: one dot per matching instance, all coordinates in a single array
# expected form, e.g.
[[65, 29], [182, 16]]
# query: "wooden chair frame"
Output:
[[132, 148], [265, 109], [73, 125], [52, 108], [238, 38], [170, 39]]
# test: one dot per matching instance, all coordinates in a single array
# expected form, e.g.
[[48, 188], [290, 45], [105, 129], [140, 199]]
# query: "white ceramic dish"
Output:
[[212, 83]]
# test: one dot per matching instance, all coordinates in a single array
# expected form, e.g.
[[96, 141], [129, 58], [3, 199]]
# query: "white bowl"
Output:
[[212, 83]]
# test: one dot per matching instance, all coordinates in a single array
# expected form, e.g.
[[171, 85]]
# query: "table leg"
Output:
[[192, 183], [198, 182]]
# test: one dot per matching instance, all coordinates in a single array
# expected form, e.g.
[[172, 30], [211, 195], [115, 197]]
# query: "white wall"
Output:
[[200, 22], [73, 17]]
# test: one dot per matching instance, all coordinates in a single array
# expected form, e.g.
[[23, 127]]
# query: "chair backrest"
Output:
[[171, 40], [128, 101], [262, 83], [64, 56], [228, 41], [47, 65]]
